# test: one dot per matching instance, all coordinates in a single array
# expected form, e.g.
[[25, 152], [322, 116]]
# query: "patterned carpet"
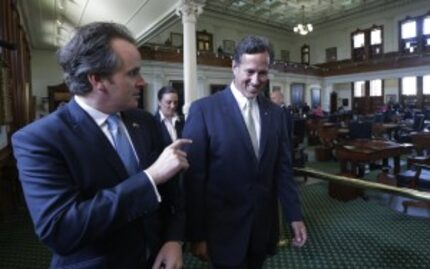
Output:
[[356, 234]]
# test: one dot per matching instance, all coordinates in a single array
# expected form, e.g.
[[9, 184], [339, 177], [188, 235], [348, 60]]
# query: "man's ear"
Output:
[[234, 64], [96, 81]]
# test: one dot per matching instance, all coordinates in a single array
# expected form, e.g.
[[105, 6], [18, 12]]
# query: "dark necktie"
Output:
[[122, 144]]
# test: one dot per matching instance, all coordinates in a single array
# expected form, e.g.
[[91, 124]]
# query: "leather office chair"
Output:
[[417, 126], [360, 130], [299, 155], [416, 179]]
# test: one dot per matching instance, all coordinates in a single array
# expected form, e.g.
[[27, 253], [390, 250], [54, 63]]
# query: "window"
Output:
[[305, 51], [204, 41], [358, 40], [376, 87], [426, 33], [359, 88], [426, 26], [367, 43], [426, 84], [376, 37], [409, 86], [415, 34], [409, 29]]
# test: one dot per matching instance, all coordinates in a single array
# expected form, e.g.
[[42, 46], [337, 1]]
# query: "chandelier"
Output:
[[302, 28]]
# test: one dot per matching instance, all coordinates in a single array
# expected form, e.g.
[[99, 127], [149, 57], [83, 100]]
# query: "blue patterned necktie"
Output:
[[122, 145]]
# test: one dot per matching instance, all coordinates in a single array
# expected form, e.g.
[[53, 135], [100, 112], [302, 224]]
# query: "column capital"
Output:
[[190, 9]]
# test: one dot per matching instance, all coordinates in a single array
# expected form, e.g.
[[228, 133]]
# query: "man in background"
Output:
[[277, 97], [90, 171], [240, 163]]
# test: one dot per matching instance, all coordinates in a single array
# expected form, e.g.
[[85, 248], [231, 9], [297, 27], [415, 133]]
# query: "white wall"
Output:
[[391, 87], [343, 91], [45, 71]]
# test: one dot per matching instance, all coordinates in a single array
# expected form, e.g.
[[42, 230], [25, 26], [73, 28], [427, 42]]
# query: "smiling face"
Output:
[[124, 85], [168, 104], [251, 74]]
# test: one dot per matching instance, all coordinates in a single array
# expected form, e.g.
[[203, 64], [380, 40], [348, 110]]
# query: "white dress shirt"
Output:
[[170, 125], [100, 119], [241, 101]]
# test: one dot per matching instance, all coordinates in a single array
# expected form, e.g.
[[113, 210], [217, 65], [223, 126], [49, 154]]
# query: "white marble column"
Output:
[[189, 11], [287, 93], [325, 96]]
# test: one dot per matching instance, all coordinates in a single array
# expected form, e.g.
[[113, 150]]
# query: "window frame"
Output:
[[368, 50], [421, 42], [403, 86]]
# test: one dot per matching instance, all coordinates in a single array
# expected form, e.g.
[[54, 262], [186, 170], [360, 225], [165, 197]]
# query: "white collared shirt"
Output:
[[241, 101], [170, 125], [100, 119]]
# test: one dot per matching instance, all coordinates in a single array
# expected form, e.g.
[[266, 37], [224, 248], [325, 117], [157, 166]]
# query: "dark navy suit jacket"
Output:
[[232, 194], [83, 204]]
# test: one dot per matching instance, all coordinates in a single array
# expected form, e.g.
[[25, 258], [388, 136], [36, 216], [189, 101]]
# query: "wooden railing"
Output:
[[387, 61]]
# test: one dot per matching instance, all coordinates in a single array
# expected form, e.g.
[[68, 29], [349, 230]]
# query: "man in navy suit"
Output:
[[277, 97], [240, 163], [87, 206]]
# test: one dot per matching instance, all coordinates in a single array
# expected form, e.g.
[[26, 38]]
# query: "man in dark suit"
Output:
[[90, 170], [240, 163], [277, 97]]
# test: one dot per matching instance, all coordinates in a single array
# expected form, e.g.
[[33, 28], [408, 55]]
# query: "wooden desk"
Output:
[[368, 150], [351, 153]]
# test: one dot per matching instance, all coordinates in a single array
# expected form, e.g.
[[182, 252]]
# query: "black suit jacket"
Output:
[[173, 206], [84, 205], [163, 129]]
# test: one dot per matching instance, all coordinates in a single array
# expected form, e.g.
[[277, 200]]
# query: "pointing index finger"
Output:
[[179, 143]]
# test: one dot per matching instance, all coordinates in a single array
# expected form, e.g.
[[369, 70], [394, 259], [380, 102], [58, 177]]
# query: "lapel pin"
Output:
[[135, 125]]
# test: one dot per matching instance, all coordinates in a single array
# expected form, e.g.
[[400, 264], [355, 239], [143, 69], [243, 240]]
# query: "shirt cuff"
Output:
[[154, 186]]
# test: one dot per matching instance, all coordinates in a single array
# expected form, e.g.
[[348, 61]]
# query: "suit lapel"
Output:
[[265, 117], [94, 138], [137, 137]]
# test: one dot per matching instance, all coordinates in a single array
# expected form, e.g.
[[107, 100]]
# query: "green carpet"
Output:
[[356, 234]]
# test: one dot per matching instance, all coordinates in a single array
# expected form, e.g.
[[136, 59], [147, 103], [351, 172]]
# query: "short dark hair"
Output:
[[90, 52], [164, 90], [252, 45]]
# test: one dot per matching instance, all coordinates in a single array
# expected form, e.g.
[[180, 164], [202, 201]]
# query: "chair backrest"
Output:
[[359, 129], [418, 122], [378, 118]]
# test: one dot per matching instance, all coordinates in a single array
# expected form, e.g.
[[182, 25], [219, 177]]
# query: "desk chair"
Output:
[[360, 130], [416, 179], [417, 126]]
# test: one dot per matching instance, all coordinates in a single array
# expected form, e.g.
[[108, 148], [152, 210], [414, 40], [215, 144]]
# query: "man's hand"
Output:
[[169, 256], [172, 160], [300, 234], [200, 250]]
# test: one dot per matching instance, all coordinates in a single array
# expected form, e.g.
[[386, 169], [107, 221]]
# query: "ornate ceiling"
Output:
[[287, 13], [50, 23]]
